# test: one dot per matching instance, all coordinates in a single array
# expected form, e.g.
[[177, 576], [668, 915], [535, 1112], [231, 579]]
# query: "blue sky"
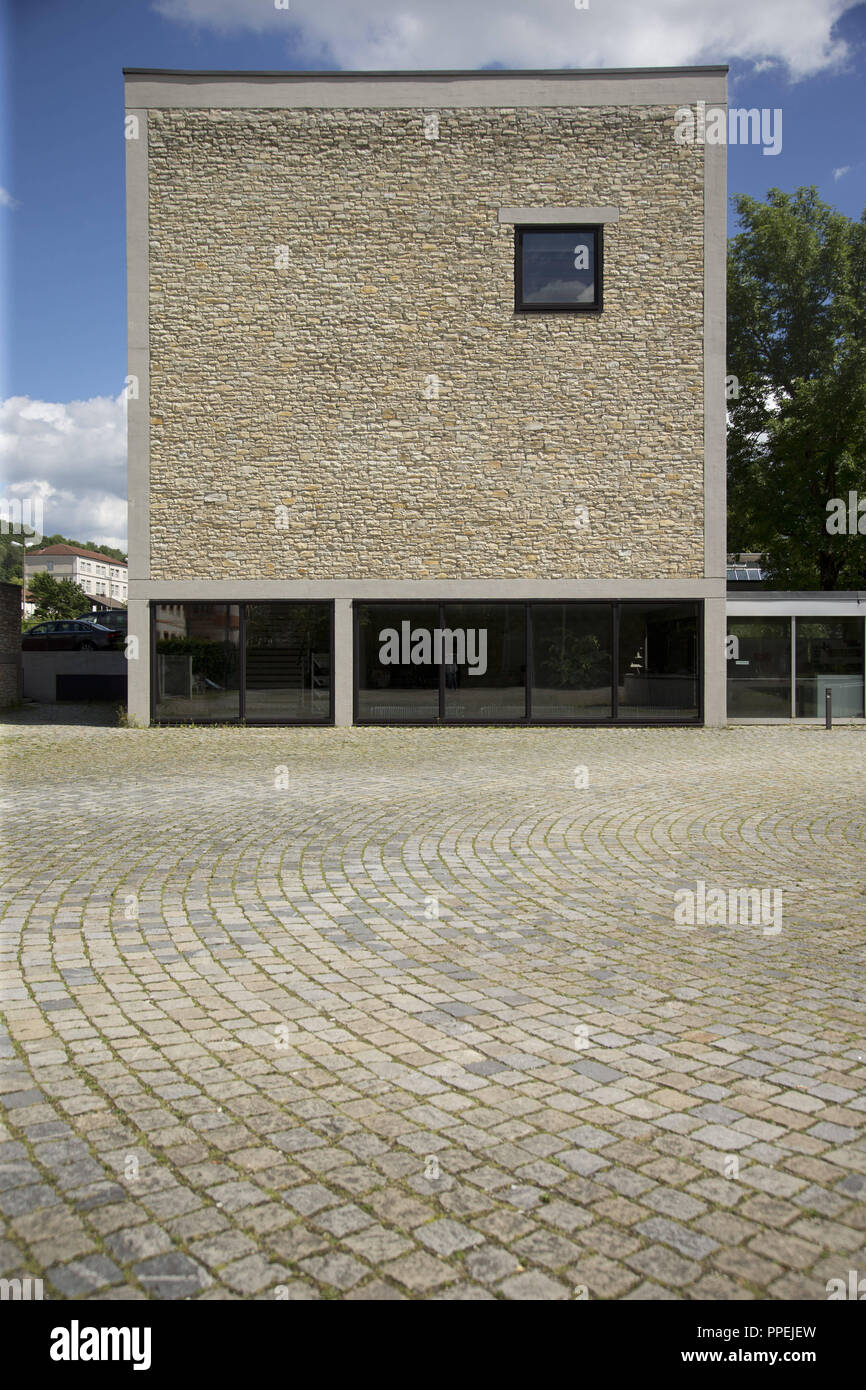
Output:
[[62, 230]]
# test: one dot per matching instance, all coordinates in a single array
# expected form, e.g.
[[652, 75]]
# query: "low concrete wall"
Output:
[[51, 676], [10, 644]]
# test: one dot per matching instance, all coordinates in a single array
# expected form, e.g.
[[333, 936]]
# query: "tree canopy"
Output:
[[57, 598], [797, 346]]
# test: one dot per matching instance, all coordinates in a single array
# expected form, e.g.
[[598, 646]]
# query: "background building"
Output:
[[100, 576], [426, 353]]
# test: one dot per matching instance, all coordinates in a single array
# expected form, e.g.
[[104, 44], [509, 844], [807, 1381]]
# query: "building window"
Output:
[[782, 667], [536, 662], [829, 656], [759, 668], [197, 669], [287, 674], [658, 662], [488, 685], [391, 690], [558, 269], [572, 651], [260, 663]]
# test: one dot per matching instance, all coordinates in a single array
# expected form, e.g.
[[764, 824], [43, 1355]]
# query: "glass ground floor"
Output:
[[781, 664], [429, 662]]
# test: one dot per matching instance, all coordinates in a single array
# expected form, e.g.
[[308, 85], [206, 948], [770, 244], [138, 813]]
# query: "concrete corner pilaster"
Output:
[[715, 670], [343, 662], [138, 663]]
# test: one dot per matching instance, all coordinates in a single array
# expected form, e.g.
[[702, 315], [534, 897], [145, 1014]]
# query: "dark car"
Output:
[[115, 618], [70, 635]]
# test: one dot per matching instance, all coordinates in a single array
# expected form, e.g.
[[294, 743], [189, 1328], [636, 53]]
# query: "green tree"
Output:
[[797, 345], [57, 598]]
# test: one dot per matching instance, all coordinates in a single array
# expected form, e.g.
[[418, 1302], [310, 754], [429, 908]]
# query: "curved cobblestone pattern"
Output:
[[406, 1014]]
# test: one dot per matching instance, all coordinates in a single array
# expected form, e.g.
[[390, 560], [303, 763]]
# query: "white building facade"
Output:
[[100, 576]]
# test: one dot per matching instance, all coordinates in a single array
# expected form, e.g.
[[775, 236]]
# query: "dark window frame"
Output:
[[241, 605], [597, 306]]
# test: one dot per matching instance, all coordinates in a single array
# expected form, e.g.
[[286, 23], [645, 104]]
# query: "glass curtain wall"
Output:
[[658, 661], [759, 668], [572, 661], [288, 662], [257, 662], [828, 654], [527, 662]]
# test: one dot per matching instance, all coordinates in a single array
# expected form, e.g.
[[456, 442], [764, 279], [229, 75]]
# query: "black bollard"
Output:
[[828, 708]]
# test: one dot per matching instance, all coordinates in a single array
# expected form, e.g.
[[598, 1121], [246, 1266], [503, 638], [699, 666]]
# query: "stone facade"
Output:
[[290, 434], [10, 644]]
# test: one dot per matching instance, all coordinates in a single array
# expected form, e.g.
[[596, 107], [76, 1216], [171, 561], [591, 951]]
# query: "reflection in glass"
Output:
[[759, 668], [395, 683], [485, 679], [571, 653], [658, 661], [558, 267], [829, 655], [197, 646], [288, 662]]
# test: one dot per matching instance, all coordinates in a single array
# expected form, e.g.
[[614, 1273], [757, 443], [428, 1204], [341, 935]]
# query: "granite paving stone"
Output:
[[242, 1057]]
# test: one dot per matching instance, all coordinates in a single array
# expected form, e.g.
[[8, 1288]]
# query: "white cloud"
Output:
[[383, 34], [6, 199], [72, 456], [840, 173]]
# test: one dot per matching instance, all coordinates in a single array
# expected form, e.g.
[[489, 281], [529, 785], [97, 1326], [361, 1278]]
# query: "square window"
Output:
[[558, 269]]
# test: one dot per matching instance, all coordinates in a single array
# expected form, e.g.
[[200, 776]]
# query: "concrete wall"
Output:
[[41, 670], [10, 644]]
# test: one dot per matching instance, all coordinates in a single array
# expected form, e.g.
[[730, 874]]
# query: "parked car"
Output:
[[72, 635], [114, 618]]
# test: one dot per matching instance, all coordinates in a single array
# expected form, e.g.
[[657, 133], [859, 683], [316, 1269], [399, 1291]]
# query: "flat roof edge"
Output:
[[401, 74], [806, 595]]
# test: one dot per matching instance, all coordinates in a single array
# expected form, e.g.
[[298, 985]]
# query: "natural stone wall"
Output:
[[302, 387], [10, 644]]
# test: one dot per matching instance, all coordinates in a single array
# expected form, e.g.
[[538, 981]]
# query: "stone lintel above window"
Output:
[[555, 215]]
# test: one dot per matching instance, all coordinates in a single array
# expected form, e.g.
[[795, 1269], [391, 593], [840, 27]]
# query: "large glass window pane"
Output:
[[398, 680], [288, 665], [197, 648], [484, 655], [829, 654], [759, 668], [558, 269], [571, 655], [658, 661]]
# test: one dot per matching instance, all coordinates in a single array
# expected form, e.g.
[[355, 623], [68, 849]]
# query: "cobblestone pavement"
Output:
[[374, 1014]]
